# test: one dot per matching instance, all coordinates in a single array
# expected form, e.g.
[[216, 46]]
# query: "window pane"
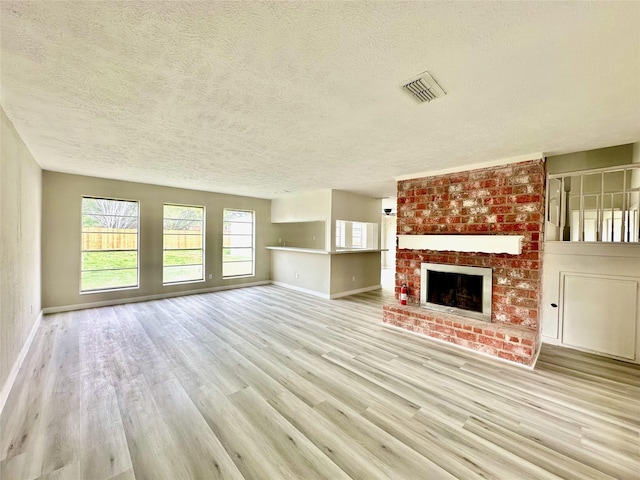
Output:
[[238, 216], [111, 207], [181, 240], [182, 274], [109, 241], [106, 279], [109, 257], [237, 254], [632, 227], [238, 228], [340, 233], [108, 260], [183, 212], [182, 226], [237, 241], [182, 257], [237, 268], [109, 223], [356, 234]]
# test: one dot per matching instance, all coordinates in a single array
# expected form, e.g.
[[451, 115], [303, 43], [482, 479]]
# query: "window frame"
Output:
[[558, 208], [202, 245], [353, 235], [361, 228], [341, 228], [252, 247], [83, 251]]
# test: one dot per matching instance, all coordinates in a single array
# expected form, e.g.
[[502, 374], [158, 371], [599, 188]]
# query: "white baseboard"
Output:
[[535, 360], [549, 340], [8, 384], [326, 295], [146, 298], [300, 289], [354, 292]]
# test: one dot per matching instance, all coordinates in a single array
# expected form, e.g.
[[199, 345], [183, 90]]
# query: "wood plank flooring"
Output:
[[266, 383]]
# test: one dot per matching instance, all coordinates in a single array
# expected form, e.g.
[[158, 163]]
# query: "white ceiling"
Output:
[[260, 99]]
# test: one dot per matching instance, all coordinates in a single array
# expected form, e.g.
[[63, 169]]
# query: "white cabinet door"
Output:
[[599, 313]]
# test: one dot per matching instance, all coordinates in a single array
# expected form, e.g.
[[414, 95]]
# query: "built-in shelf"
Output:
[[511, 244]]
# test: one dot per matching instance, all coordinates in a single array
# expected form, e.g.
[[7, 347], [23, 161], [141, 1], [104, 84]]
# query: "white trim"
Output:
[[11, 378], [549, 340], [476, 166], [354, 292], [485, 273], [466, 349], [300, 289], [325, 295], [599, 249], [510, 244], [535, 360], [600, 354], [120, 301]]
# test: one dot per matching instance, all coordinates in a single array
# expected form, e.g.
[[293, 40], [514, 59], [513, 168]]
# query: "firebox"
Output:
[[464, 291]]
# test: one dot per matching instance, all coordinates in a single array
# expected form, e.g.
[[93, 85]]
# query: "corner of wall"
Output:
[[20, 264]]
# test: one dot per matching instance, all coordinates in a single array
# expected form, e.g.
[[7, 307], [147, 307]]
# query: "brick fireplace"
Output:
[[503, 200]]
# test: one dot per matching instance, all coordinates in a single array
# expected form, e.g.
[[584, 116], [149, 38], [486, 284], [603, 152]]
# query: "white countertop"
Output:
[[323, 252], [299, 249]]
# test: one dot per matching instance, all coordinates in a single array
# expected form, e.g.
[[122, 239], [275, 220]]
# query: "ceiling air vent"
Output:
[[423, 88]]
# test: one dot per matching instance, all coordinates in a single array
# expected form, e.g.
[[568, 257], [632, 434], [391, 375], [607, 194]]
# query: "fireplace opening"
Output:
[[455, 290], [462, 290]]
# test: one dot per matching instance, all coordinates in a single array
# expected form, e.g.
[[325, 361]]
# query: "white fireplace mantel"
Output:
[[511, 244]]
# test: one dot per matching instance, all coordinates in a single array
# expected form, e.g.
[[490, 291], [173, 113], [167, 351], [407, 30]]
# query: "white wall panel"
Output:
[[599, 313], [592, 268]]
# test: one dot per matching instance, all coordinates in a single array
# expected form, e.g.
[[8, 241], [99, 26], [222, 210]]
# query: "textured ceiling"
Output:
[[262, 98]]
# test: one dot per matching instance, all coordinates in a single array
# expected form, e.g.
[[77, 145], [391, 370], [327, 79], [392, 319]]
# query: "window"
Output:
[[341, 241], [238, 243], [356, 235], [599, 205], [183, 244], [109, 244], [359, 235]]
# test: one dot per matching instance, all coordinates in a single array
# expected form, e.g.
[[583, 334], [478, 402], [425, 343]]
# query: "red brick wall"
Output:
[[509, 342], [505, 200]]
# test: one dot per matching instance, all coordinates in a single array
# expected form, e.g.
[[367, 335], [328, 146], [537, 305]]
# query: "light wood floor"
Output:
[[266, 383]]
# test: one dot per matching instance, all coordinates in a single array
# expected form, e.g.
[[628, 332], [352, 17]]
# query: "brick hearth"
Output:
[[509, 342], [504, 200]]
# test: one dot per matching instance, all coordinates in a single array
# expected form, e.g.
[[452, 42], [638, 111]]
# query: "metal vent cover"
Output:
[[423, 88]]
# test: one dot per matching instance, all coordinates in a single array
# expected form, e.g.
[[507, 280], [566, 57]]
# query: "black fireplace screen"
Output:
[[455, 290]]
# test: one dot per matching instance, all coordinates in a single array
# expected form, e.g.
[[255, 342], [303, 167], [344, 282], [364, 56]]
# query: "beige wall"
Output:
[[365, 267], [598, 158], [61, 215], [354, 207], [355, 271], [327, 275], [301, 234], [304, 207], [20, 216], [310, 272]]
